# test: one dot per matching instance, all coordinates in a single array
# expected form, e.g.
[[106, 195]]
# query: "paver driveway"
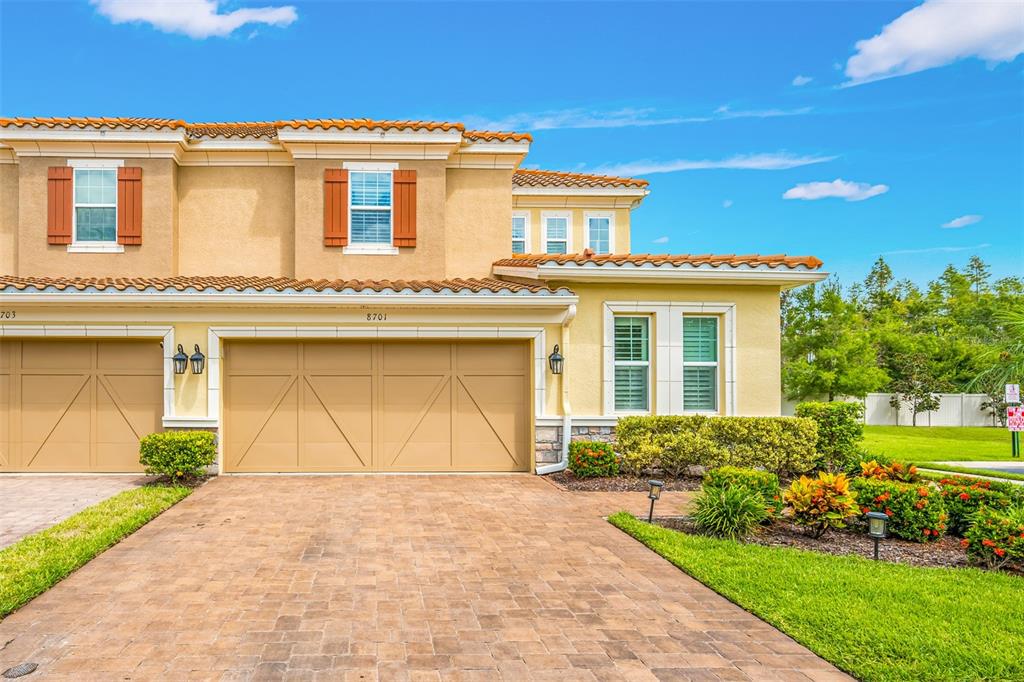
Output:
[[392, 577]]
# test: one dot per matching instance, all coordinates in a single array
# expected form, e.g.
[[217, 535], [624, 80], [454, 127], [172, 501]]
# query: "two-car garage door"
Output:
[[376, 406]]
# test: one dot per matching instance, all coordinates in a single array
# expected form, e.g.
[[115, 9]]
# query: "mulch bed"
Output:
[[620, 484]]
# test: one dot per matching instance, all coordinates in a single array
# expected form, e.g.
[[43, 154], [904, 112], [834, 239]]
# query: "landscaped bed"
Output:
[[617, 484], [876, 620]]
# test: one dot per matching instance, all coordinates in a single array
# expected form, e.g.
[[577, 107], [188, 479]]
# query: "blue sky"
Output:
[[922, 126]]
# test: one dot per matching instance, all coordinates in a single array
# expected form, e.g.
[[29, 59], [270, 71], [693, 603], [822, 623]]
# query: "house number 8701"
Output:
[[376, 317]]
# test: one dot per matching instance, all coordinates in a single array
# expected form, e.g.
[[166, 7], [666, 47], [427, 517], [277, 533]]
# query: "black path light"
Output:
[[180, 361], [198, 361], [555, 361], [654, 495], [878, 528]]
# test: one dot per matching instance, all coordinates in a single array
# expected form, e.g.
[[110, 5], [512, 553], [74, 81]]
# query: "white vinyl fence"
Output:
[[955, 409]]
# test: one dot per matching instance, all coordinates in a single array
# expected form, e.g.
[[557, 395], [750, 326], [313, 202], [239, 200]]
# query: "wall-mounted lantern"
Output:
[[198, 361], [555, 361], [180, 361]]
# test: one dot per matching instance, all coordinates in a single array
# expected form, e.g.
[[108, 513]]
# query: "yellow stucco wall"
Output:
[[578, 219], [153, 258], [8, 218], [478, 216], [236, 221]]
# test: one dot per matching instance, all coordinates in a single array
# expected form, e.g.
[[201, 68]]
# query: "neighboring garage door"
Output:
[[392, 406], [78, 406]]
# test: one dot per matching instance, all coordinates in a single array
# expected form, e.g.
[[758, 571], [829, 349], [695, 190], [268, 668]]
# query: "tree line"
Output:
[[963, 332]]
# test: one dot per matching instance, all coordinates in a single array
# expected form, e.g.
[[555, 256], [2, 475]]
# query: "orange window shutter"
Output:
[[59, 204], [405, 208], [335, 207], [129, 206]]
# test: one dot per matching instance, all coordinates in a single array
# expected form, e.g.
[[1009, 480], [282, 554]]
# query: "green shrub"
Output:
[[680, 451], [728, 512], [916, 510], [963, 497], [179, 455], [764, 483], [840, 430], [640, 458], [783, 445], [820, 503], [995, 537], [592, 458]]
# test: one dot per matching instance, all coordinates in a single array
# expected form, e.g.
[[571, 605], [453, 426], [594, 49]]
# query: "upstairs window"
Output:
[[556, 233], [95, 191], [632, 364], [520, 233], [700, 364], [370, 207], [599, 233]]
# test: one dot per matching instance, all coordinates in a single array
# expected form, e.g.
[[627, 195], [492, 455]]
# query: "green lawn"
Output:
[[36, 563], [937, 443], [875, 620], [953, 469]]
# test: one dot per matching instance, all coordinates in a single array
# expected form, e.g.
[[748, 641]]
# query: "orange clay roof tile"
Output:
[[546, 178], [271, 284], [496, 136], [92, 122], [728, 260]]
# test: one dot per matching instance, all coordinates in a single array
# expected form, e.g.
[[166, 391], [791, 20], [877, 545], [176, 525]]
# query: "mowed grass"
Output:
[[990, 473], [37, 562], [875, 620], [920, 444]]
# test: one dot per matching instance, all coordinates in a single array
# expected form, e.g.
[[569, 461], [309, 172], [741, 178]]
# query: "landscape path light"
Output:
[[878, 528], [654, 494]]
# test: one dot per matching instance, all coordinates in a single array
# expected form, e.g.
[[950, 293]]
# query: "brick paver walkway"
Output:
[[28, 504], [392, 577]]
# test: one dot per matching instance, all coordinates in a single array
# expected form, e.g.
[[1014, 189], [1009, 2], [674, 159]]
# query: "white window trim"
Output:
[[77, 246], [610, 215], [633, 363], [525, 215], [544, 229], [668, 352], [717, 364], [372, 248]]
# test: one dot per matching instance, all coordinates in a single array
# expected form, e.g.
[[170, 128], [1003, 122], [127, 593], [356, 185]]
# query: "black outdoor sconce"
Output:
[[182, 361], [555, 361], [878, 528], [654, 495], [198, 361]]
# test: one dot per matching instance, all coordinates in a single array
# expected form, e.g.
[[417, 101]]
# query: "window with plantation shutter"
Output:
[[632, 364], [700, 364]]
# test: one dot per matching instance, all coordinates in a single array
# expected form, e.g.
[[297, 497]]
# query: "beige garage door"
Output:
[[78, 406], [416, 406]]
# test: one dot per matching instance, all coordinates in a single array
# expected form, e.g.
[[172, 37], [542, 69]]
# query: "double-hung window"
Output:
[[556, 233], [599, 233], [700, 364], [520, 236], [370, 208], [95, 215], [632, 364]]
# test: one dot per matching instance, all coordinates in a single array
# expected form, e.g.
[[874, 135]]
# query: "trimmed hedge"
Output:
[[588, 459], [916, 510], [179, 455], [782, 445], [840, 430], [764, 483]]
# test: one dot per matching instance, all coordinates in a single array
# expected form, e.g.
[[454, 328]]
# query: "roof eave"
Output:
[[581, 191], [785, 277]]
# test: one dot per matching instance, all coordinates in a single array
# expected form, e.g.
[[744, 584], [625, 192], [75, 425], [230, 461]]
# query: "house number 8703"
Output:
[[376, 317]]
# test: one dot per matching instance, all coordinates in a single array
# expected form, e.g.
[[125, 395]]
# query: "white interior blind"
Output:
[[632, 363]]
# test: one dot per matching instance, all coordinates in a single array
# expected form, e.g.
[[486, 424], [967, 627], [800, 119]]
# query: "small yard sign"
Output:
[[1015, 418], [1012, 393]]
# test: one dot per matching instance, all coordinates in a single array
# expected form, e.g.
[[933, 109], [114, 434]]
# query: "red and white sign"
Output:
[[1015, 418]]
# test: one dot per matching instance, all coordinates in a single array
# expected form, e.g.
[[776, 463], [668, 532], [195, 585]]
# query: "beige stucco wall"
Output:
[[478, 215], [621, 242], [154, 257], [8, 218], [424, 261], [236, 221]]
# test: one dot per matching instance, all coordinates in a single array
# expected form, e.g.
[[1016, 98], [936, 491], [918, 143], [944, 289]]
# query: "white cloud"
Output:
[[963, 221], [727, 203], [779, 161], [802, 80], [937, 33], [660, 240], [838, 188], [195, 18], [560, 119], [937, 249]]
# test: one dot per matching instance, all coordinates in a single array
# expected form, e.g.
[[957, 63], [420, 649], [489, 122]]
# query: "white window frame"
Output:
[[716, 364], [377, 248], [634, 363], [77, 246], [610, 215], [544, 229], [525, 215]]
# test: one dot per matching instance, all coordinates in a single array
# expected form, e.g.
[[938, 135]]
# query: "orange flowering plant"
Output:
[[588, 459], [965, 496], [916, 510], [820, 503], [995, 537]]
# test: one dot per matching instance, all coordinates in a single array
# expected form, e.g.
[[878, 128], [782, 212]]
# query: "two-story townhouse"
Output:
[[349, 295]]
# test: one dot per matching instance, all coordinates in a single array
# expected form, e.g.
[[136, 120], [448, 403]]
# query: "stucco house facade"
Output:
[[349, 295]]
